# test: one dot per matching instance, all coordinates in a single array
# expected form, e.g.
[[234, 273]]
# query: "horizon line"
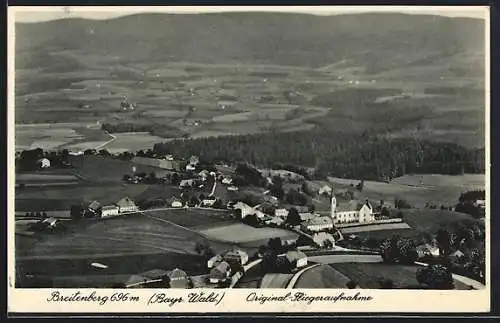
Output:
[[46, 14]]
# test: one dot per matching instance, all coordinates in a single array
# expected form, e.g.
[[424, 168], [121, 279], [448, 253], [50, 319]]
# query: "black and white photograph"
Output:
[[293, 148]]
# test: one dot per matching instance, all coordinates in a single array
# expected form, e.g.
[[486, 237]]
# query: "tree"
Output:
[[401, 204], [386, 283], [306, 188], [39, 214], [351, 284], [385, 212], [397, 249], [251, 220], [44, 215], [194, 201], [360, 186], [293, 217], [443, 240], [295, 198], [76, 212], [104, 152], [275, 244], [435, 276]]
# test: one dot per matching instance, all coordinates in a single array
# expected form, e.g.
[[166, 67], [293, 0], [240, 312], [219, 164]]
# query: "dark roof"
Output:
[[177, 274], [220, 270], [155, 273]]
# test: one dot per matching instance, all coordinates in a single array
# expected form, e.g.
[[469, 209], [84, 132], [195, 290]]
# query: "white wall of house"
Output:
[[109, 212], [302, 262], [366, 214]]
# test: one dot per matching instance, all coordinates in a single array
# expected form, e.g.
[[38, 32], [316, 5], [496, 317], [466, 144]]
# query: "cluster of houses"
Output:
[[222, 266], [123, 206], [176, 278]]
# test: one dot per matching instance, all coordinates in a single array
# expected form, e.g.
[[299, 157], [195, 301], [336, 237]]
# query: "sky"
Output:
[[37, 14]]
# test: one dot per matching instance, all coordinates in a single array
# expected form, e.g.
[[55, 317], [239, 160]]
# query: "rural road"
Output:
[[113, 138], [332, 259]]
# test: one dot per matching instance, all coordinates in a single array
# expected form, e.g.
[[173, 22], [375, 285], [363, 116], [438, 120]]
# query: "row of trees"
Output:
[[28, 159], [350, 155], [467, 203]]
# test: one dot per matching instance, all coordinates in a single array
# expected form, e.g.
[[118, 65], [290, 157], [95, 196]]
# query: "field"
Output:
[[418, 190], [368, 274], [275, 280], [421, 221], [132, 141], [195, 219], [119, 243], [376, 227], [242, 233], [56, 136], [99, 169], [41, 179], [322, 276], [61, 198]]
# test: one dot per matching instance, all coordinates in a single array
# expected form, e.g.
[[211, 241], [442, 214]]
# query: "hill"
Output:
[[257, 38], [244, 73]]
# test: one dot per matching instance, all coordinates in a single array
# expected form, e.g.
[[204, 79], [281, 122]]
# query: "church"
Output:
[[352, 212]]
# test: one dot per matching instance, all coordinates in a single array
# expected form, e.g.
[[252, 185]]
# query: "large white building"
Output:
[[350, 213]]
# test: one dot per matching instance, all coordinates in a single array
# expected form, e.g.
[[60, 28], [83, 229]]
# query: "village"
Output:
[[200, 186]]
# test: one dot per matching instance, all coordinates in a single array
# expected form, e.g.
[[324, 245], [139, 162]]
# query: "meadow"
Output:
[[242, 233], [119, 243], [417, 190], [367, 275]]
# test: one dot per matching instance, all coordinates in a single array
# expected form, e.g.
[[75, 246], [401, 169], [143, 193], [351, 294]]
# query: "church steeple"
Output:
[[333, 206]]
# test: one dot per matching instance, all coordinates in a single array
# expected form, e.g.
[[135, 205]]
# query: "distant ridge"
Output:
[[257, 38]]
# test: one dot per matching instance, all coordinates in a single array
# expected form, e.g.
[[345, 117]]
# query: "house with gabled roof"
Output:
[[126, 205], [220, 273], [179, 279]]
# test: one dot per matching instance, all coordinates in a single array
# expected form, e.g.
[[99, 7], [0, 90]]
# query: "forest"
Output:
[[365, 156]]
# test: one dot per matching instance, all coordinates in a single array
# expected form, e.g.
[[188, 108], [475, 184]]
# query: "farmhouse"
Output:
[[194, 160], [187, 183], [325, 190], [350, 213], [457, 255], [220, 273], [323, 238], [236, 256], [43, 163], [208, 202], [95, 207], [178, 279], [190, 168], [50, 222], [109, 210], [248, 210], [176, 203], [427, 250], [276, 221], [282, 213], [126, 205], [227, 180], [318, 223], [307, 216], [233, 188], [480, 203], [297, 259]]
